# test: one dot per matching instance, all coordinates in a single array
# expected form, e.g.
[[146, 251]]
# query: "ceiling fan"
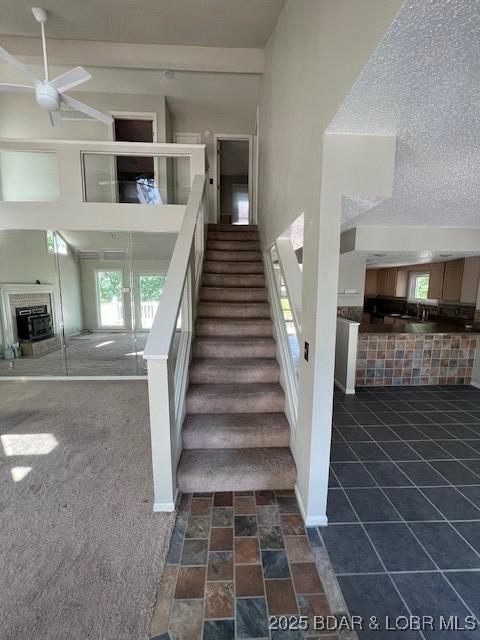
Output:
[[50, 93]]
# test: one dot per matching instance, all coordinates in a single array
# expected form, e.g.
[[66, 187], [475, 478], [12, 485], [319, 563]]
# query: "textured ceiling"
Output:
[[423, 84], [402, 258], [215, 23]]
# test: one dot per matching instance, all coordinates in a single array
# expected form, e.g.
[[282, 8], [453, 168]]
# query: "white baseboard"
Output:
[[310, 521], [342, 388]]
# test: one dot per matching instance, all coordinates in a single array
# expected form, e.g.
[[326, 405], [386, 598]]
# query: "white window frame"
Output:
[[138, 298], [118, 327], [412, 286]]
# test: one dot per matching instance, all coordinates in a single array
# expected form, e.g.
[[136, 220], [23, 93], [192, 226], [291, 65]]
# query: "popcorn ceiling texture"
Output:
[[422, 84]]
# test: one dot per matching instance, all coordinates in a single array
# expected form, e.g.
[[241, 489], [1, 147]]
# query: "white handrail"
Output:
[[161, 335]]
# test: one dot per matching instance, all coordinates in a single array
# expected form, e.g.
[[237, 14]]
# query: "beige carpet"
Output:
[[81, 552]]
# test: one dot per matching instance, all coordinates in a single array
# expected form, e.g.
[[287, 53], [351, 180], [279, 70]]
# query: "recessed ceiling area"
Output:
[[208, 23], [405, 258], [423, 85]]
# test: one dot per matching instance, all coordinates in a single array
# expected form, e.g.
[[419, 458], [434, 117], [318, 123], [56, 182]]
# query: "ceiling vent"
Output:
[[115, 254], [88, 254]]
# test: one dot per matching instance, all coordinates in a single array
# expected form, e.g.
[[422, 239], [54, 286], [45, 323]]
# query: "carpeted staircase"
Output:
[[235, 434]]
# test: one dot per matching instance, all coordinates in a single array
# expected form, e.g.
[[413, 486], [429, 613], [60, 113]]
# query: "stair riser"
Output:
[[210, 294], [231, 329], [272, 402], [233, 256], [237, 228], [226, 280], [235, 311], [226, 437], [232, 245], [235, 268], [233, 350], [218, 374], [224, 483], [233, 235]]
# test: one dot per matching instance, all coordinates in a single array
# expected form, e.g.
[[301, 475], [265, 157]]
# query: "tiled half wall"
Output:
[[403, 359]]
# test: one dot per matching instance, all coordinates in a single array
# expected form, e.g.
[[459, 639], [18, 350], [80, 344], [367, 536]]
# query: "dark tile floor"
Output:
[[404, 505], [235, 560]]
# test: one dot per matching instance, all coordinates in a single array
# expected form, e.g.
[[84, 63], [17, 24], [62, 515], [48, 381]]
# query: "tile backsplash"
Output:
[[350, 313], [456, 312], [400, 359]]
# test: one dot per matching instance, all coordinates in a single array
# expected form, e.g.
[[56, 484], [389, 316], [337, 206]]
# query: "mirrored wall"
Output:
[[79, 303]]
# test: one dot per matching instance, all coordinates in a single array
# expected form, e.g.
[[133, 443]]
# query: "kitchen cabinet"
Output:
[[435, 284], [392, 282], [452, 281], [371, 282], [382, 282]]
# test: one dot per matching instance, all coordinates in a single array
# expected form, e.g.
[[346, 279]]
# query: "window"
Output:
[[419, 286], [110, 298], [56, 244], [151, 287]]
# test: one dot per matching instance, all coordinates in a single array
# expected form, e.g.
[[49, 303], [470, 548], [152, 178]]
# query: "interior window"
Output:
[[110, 298], [419, 286]]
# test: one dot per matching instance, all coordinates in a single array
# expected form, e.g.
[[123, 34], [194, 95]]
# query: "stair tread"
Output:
[[251, 469], [235, 430], [234, 390], [235, 339], [236, 362]]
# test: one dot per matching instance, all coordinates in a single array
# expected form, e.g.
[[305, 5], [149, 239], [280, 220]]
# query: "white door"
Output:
[[181, 167]]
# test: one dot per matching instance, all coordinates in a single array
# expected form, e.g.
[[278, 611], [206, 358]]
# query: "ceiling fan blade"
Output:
[[55, 118], [70, 79], [16, 87], [4, 55], [86, 109]]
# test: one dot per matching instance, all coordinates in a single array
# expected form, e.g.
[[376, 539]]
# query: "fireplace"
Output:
[[34, 323]]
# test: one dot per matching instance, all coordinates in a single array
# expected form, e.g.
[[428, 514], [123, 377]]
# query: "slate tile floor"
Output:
[[234, 560], [404, 504]]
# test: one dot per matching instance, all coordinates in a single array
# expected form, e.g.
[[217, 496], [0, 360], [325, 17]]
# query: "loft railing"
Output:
[[169, 344], [72, 184]]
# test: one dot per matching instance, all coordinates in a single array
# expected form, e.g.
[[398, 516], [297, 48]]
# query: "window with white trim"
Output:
[[418, 287]]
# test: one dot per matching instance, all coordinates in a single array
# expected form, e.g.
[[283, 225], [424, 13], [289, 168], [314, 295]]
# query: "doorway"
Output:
[[233, 179], [136, 176]]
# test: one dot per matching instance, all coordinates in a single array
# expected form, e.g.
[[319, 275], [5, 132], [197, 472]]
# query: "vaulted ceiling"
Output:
[[423, 85], [214, 23]]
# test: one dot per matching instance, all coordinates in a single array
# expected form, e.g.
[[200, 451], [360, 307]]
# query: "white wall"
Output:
[[316, 52], [351, 276], [23, 118]]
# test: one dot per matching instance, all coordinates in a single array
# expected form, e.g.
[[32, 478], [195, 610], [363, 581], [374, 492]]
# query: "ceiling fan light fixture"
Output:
[[47, 97]]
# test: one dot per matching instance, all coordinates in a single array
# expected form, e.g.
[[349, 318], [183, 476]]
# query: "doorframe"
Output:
[[134, 115], [218, 137], [198, 137]]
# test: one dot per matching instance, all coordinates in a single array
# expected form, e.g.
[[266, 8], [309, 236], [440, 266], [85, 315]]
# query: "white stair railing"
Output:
[[284, 280], [169, 344]]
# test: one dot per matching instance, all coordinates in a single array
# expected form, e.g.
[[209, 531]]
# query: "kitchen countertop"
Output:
[[418, 328]]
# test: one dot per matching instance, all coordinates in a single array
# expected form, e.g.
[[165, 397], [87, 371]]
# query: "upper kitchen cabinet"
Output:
[[452, 281], [471, 280], [435, 284], [392, 282], [371, 282]]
